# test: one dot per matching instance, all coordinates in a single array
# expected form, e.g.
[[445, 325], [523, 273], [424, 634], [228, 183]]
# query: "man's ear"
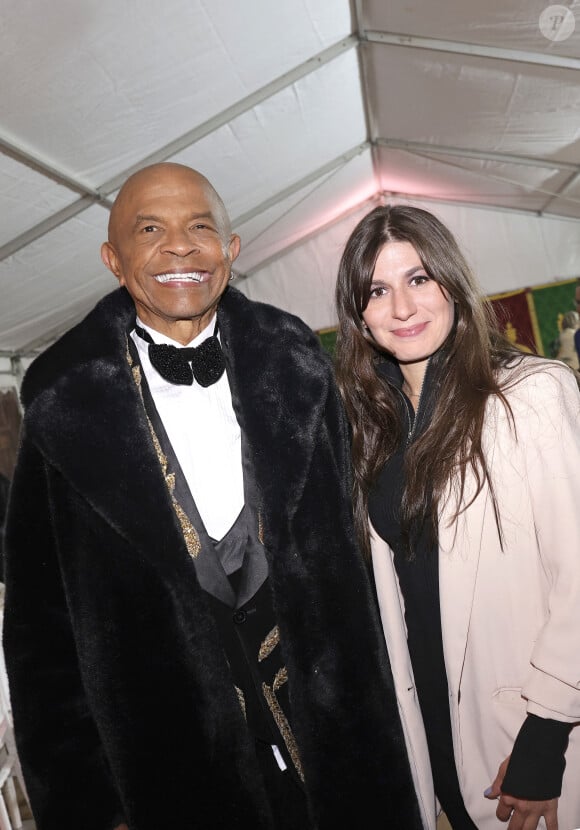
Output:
[[234, 246], [111, 261]]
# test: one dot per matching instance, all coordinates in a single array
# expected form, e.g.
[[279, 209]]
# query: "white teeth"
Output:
[[193, 277]]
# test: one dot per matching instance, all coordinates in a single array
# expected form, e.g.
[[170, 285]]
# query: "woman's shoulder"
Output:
[[537, 372], [538, 383]]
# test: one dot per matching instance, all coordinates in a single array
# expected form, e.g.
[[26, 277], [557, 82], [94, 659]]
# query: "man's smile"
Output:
[[192, 276]]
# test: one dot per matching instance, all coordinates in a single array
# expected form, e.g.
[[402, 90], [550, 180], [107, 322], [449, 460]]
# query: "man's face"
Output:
[[167, 246]]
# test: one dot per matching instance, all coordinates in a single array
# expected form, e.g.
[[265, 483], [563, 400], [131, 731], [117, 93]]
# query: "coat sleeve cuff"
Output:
[[536, 765], [549, 697]]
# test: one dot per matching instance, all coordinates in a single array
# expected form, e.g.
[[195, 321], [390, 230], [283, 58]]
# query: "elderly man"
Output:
[[190, 634]]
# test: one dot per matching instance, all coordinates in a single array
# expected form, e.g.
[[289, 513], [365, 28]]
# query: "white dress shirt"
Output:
[[204, 433]]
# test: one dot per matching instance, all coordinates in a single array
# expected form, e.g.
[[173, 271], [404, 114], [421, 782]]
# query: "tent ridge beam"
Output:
[[472, 49], [483, 155], [562, 190], [48, 170], [48, 224], [370, 118], [540, 213], [383, 197]]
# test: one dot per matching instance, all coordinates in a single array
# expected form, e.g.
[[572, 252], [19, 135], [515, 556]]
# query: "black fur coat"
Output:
[[122, 700]]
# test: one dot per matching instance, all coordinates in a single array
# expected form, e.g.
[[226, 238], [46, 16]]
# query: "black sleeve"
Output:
[[537, 762], [67, 775]]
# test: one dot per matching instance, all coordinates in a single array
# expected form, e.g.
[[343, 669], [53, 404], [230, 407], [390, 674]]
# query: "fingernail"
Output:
[[487, 792]]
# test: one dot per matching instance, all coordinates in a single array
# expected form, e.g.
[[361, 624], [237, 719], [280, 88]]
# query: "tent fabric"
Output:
[[304, 114]]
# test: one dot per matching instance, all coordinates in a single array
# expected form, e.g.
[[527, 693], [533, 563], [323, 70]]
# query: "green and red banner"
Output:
[[516, 317]]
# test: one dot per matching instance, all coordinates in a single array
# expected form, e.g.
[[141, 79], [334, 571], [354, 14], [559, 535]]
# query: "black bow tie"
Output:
[[205, 362]]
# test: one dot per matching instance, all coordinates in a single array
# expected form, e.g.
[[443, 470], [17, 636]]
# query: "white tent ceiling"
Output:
[[301, 112]]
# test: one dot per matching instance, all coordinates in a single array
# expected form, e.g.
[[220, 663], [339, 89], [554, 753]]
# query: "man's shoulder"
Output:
[[268, 340], [81, 343]]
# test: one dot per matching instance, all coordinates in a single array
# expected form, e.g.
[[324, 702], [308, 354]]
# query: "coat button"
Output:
[[240, 617]]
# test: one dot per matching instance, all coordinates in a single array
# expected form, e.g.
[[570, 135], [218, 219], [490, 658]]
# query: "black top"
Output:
[[419, 582], [531, 774]]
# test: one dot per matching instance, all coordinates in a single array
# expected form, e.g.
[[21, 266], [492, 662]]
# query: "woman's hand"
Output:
[[521, 814]]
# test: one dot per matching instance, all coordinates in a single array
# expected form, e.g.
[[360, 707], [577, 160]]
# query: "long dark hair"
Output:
[[466, 372]]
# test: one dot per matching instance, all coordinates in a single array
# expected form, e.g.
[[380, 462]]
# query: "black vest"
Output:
[[234, 574]]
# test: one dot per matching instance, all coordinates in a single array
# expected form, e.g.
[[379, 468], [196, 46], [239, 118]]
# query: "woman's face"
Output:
[[408, 313]]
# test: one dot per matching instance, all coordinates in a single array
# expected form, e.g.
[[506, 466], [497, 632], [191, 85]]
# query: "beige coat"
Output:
[[511, 618]]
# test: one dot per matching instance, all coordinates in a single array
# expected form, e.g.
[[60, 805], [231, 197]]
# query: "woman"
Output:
[[467, 463]]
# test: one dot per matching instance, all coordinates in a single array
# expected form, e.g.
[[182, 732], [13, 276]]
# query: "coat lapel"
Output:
[[99, 437], [459, 552], [277, 403]]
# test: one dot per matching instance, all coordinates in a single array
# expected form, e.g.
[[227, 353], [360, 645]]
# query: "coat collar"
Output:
[[279, 378]]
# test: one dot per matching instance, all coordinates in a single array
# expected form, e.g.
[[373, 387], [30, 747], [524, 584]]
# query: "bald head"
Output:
[[171, 246], [158, 178]]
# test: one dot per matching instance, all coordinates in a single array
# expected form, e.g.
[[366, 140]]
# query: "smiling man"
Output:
[[167, 220], [190, 635]]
